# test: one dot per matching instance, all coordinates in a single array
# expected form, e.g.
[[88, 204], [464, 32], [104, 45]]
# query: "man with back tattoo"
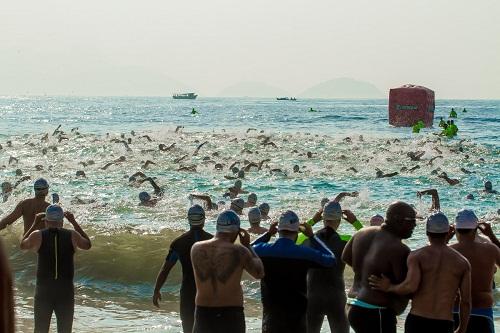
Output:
[[218, 264]]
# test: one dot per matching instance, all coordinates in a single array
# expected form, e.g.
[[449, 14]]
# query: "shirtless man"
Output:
[[483, 257], [264, 211], [254, 218], [28, 208], [379, 250], [218, 264], [436, 273]]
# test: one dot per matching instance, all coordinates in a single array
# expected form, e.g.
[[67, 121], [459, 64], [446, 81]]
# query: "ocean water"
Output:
[[115, 279]]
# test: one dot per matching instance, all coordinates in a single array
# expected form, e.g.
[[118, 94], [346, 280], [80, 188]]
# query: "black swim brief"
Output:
[[418, 324], [367, 320], [219, 319]]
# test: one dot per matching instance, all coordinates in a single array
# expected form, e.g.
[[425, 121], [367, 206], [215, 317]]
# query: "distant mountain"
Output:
[[252, 89], [343, 88]]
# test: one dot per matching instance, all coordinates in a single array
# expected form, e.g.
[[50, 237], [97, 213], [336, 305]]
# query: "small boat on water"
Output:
[[185, 96], [286, 98]]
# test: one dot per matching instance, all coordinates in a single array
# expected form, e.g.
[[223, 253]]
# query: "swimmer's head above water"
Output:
[[376, 220], [254, 216]]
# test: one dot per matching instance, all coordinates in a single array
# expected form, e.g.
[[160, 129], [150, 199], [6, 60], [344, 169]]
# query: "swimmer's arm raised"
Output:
[[435, 198], [465, 300], [12, 217]]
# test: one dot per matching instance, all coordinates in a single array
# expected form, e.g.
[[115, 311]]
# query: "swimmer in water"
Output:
[[207, 200], [254, 218], [158, 191], [488, 188], [264, 211], [380, 174], [436, 206], [237, 205], [376, 220], [146, 200], [251, 200], [235, 190], [449, 180]]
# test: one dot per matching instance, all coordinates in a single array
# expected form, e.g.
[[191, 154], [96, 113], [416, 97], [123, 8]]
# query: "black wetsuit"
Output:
[[284, 286], [180, 249], [326, 288], [54, 281]]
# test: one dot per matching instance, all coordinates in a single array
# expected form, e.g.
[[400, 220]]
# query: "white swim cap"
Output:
[[196, 215], [289, 221], [54, 213], [437, 223], [254, 215], [466, 219], [228, 221], [332, 211], [376, 220]]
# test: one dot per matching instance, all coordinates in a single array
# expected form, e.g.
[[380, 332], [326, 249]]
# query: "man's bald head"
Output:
[[400, 218]]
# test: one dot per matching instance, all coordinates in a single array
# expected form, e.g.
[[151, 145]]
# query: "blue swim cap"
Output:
[[40, 184], [437, 223], [54, 213], [144, 196], [228, 221], [238, 203]]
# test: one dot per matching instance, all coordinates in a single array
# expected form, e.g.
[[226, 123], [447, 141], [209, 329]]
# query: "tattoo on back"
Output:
[[218, 267]]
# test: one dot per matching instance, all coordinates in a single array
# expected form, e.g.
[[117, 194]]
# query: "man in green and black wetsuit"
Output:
[[325, 287], [180, 249], [55, 246]]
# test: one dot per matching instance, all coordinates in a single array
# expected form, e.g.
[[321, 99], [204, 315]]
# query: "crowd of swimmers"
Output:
[[301, 272]]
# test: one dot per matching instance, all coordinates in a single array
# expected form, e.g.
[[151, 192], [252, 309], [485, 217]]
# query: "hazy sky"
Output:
[[133, 47]]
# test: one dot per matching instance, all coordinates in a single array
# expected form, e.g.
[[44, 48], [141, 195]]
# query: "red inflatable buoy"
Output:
[[409, 104]]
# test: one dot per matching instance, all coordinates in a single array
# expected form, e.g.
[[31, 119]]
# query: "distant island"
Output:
[[343, 88]]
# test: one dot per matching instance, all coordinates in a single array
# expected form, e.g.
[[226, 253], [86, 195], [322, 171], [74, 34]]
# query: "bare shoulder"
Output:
[[460, 259]]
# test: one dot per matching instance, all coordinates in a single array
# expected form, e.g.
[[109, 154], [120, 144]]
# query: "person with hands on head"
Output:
[[55, 246], [436, 274], [326, 287], [488, 232], [284, 287], [346, 215], [218, 265], [483, 257], [180, 250]]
